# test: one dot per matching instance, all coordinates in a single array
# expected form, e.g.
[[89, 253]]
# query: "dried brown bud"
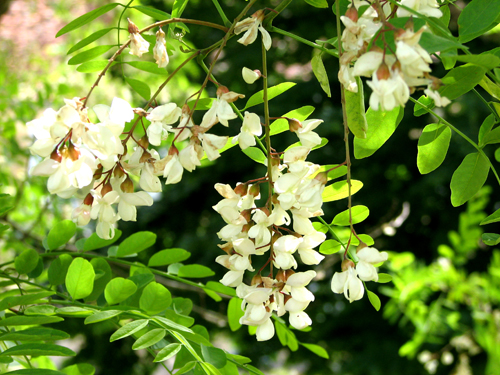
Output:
[[247, 214], [106, 189], [409, 25], [398, 33], [275, 161], [89, 199], [127, 186], [259, 14], [352, 14], [256, 280], [281, 276], [289, 273], [294, 124], [346, 264], [275, 199], [173, 150], [227, 247], [132, 28], [141, 112]]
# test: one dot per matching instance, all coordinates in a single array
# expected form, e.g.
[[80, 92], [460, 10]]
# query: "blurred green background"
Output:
[[440, 315]]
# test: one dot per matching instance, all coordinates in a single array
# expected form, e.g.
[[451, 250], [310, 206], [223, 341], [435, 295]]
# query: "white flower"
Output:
[[425, 7], [249, 130], [305, 249], [368, 63], [161, 118], [307, 137], [250, 76], [221, 111], [104, 213], [190, 156], [138, 45], [388, 93], [368, 256], [81, 214], [347, 282], [173, 170], [260, 231], [252, 25], [160, 51], [212, 144], [284, 247], [439, 101]]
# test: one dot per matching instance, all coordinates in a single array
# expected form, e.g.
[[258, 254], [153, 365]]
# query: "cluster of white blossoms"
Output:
[[253, 231], [394, 74]]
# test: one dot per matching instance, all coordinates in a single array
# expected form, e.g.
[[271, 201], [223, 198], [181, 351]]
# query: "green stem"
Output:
[[266, 126], [221, 13], [492, 110], [271, 16], [305, 41], [474, 144]]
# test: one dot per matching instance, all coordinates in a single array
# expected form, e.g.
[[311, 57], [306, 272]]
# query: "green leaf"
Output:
[[432, 147], [320, 72], [195, 271], [58, 269], [26, 299], [167, 352], [80, 278], [358, 214], [272, 92], [329, 247], [101, 267], [339, 190], [476, 18], [491, 239], [79, 369], [139, 87], [34, 371], [485, 128], [493, 218], [37, 271], [316, 349], [149, 338], [418, 110], [374, 300], [182, 305], [355, 110], [214, 356], [281, 125], [491, 87], [485, 60], [29, 320], [234, 313], [136, 243], [129, 329], [155, 298], [74, 311], [90, 39], [469, 177], [60, 234], [86, 18], [26, 261], [461, 80], [381, 125], [34, 349], [152, 12], [93, 66], [148, 66], [169, 324], [220, 288], [168, 256], [433, 43], [317, 3], [35, 334], [187, 367], [384, 278], [40, 310], [491, 137], [102, 316], [256, 154], [118, 290], [89, 54], [95, 242]]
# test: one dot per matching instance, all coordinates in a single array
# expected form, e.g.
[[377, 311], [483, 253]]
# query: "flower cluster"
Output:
[[394, 74], [350, 280], [253, 231]]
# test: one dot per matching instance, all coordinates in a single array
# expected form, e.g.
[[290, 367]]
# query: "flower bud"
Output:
[[352, 14], [118, 172], [346, 263], [173, 150], [409, 25], [132, 28], [294, 124], [222, 90], [106, 189], [227, 247], [73, 152], [250, 76], [247, 214], [383, 72], [362, 245], [127, 186], [144, 142], [281, 276], [98, 172]]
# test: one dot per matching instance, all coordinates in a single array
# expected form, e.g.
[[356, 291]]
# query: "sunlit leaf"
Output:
[[468, 178], [86, 18], [432, 147]]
